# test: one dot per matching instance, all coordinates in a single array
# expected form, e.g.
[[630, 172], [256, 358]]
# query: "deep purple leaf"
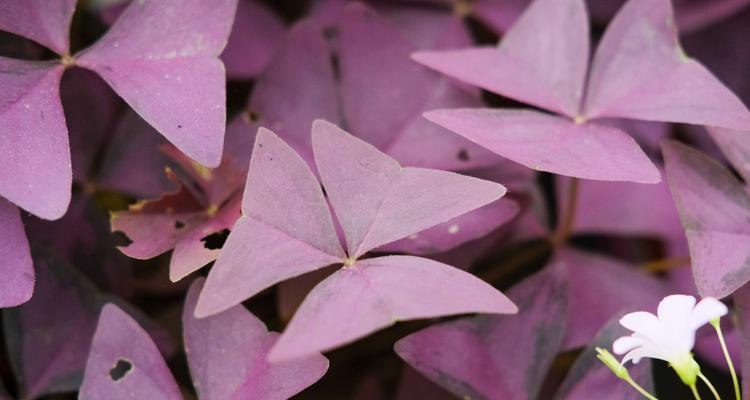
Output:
[[496, 358], [588, 378], [256, 35], [714, 209], [600, 287]]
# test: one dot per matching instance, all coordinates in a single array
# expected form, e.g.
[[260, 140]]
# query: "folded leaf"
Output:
[[714, 209], [639, 71], [491, 357], [376, 201], [377, 292], [16, 268], [35, 171], [162, 58], [553, 144], [227, 356], [45, 21], [124, 362]]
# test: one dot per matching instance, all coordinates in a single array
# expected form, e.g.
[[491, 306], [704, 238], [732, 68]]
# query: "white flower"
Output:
[[669, 335]]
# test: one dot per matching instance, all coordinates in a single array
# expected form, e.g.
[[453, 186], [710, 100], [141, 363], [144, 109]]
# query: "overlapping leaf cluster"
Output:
[[368, 179]]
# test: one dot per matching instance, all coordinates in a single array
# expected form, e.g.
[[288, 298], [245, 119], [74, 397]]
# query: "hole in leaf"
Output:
[[463, 155], [215, 240], [120, 239], [121, 368], [178, 224]]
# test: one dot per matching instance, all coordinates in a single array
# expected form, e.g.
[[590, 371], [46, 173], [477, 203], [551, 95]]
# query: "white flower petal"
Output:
[[626, 343], [706, 310], [641, 352], [675, 310], [642, 322]]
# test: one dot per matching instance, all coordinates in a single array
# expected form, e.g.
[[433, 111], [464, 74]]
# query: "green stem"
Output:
[[640, 390], [710, 386], [695, 392], [735, 381]]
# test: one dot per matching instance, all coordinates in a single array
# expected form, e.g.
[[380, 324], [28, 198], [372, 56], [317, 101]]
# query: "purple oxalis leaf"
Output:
[[542, 60], [373, 54], [47, 337], [496, 357], [377, 201], [452, 233], [736, 147], [549, 143], [275, 240], [179, 87], [640, 71], [124, 362], [589, 378], [256, 35], [227, 356], [714, 209], [298, 86], [599, 288], [35, 167], [377, 292], [16, 265], [45, 21]]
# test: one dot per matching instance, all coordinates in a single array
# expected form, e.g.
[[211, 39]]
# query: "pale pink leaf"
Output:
[[35, 166], [124, 362], [286, 229], [227, 356], [640, 71], [376, 201], [541, 60], [161, 56], [377, 292], [554, 144], [16, 268], [45, 21]]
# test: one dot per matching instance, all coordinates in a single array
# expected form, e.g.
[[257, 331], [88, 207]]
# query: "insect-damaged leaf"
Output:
[[124, 362]]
